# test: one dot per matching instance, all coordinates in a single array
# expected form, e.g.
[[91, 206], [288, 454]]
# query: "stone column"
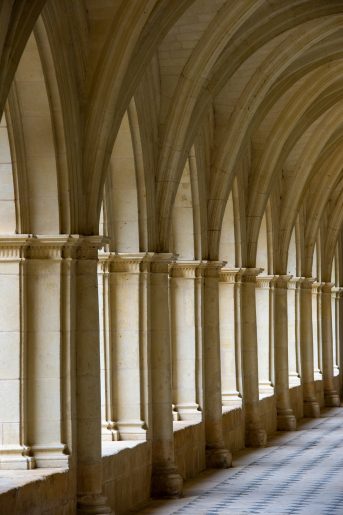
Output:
[[311, 406], [263, 311], [286, 420], [293, 316], [230, 344], [331, 397], [87, 384], [14, 452], [255, 433], [109, 430], [183, 335], [125, 364], [339, 333], [335, 300], [166, 481], [317, 331], [44, 316], [216, 454]]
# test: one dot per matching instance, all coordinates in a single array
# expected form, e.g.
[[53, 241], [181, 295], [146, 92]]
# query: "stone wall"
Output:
[[34, 492], [127, 465], [127, 475], [296, 395], [189, 441], [233, 428]]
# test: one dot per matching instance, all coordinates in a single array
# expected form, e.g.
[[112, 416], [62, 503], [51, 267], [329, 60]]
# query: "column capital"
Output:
[[231, 275], [306, 283], [125, 262], [249, 275], [294, 282], [264, 281], [282, 281], [46, 246], [316, 286], [326, 287], [56, 247], [86, 247], [160, 262], [12, 248], [210, 268], [337, 291], [184, 269]]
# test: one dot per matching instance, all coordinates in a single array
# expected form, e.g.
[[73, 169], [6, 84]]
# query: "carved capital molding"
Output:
[[210, 268], [337, 292], [184, 269], [264, 282], [306, 283], [46, 247], [281, 281], [315, 287], [326, 287], [89, 246], [55, 247], [231, 275], [250, 274], [12, 248], [160, 262], [294, 282], [112, 262]]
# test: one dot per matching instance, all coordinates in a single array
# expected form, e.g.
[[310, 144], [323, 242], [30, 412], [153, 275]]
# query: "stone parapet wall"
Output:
[[127, 465]]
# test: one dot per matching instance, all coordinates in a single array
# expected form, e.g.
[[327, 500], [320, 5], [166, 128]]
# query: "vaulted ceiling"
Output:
[[214, 96]]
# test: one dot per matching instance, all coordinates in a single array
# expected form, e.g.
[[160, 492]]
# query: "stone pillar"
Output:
[[264, 295], [293, 316], [331, 397], [14, 452], [286, 420], [166, 481], [124, 354], [339, 333], [183, 335], [216, 454], [335, 300], [311, 406], [230, 344], [255, 433], [44, 317], [109, 430], [87, 384], [317, 331]]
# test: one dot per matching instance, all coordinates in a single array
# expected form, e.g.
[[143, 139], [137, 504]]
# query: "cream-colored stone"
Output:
[[209, 129]]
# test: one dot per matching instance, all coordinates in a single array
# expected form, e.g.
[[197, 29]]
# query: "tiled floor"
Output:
[[298, 473]]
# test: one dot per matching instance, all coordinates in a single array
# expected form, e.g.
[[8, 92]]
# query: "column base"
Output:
[[16, 458], [218, 458], [109, 432], [331, 398], [92, 505], [166, 483], [231, 398], [311, 409], [286, 421], [188, 412], [50, 456], [131, 430], [256, 438]]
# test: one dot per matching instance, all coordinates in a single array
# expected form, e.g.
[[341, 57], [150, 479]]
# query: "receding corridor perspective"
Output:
[[296, 473], [171, 254]]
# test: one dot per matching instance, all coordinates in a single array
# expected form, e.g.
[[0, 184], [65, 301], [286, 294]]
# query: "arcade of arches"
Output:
[[171, 251]]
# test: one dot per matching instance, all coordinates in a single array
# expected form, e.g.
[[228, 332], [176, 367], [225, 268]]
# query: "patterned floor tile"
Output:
[[297, 474]]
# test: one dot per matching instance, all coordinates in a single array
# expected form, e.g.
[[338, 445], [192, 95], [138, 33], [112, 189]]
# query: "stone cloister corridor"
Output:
[[297, 473], [171, 253]]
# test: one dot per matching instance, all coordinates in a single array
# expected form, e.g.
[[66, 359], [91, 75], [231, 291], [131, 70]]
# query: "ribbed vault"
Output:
[[197, 131]]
